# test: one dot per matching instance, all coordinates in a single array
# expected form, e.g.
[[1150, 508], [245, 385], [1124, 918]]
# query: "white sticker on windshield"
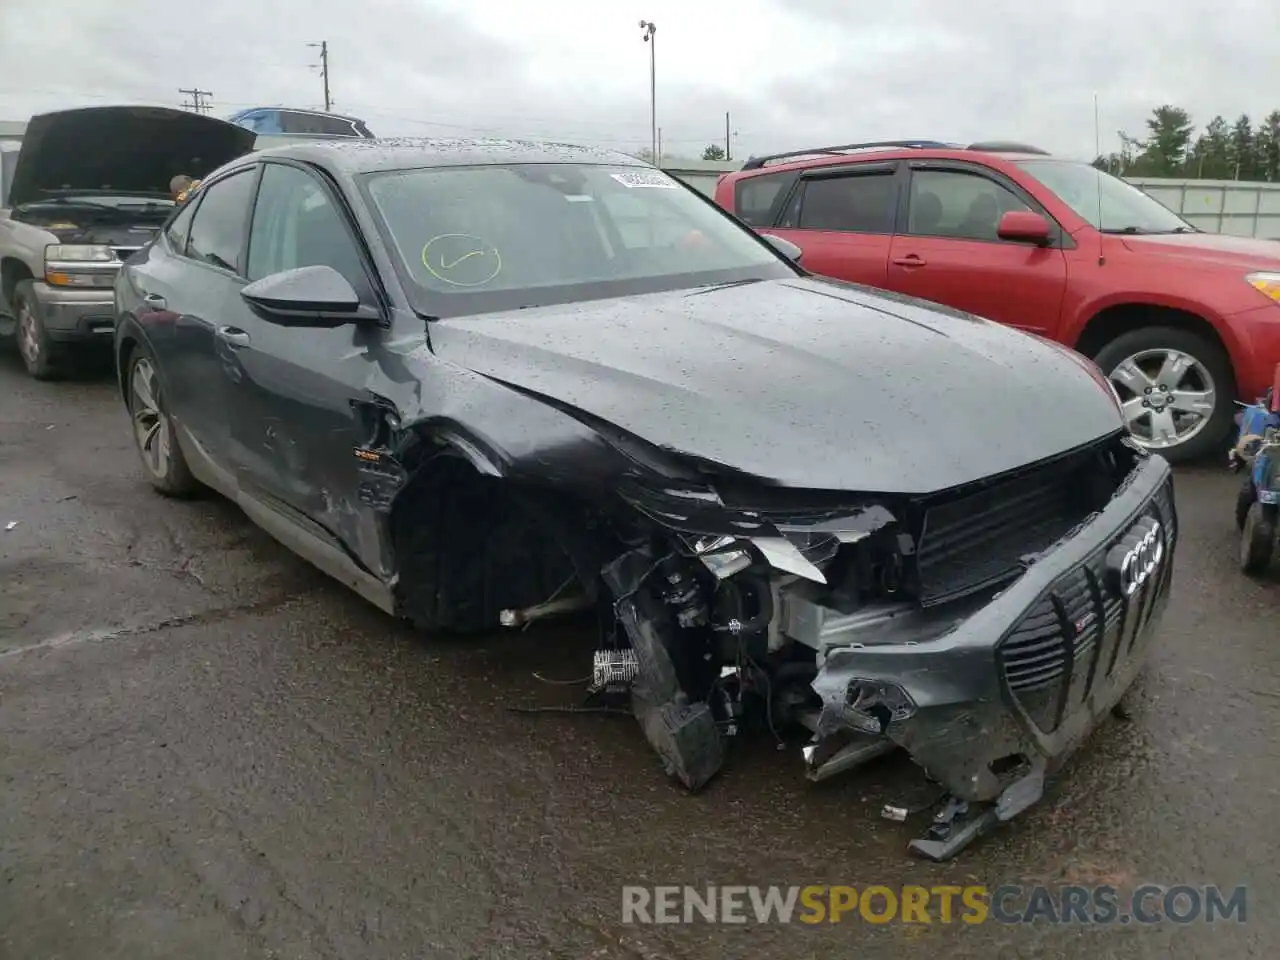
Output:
[[645, 178], [579, 198]]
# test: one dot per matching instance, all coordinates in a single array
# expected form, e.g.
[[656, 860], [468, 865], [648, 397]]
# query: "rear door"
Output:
[[186, 286], [946, 249], [843, 220]]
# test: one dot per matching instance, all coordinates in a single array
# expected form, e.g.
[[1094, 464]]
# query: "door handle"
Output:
[[156, 302], [234, 336], [911, 260]]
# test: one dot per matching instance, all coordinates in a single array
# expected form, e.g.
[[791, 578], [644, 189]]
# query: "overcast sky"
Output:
[[792, 73]]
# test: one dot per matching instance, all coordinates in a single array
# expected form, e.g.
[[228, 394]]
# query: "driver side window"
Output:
[[957, 205], [296, 224]]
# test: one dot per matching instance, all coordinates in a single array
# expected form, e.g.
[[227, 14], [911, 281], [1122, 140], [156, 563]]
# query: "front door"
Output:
[[949, 252], [294, 390]]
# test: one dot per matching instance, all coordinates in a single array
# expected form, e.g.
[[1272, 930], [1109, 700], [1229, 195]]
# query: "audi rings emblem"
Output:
[[1137, 556]]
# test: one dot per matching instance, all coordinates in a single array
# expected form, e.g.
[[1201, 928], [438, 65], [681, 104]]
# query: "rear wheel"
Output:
[[34, 345], [153, 430], [1176, 390], [1258, 539]]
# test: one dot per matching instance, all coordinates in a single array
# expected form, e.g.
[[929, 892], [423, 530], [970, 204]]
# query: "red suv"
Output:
[[1183, 322]]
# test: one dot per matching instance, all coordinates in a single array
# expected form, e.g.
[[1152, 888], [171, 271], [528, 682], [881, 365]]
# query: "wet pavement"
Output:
[[208, 750]]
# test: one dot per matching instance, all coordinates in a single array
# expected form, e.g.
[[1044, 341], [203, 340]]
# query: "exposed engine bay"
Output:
[[97, 220], [734, 607]]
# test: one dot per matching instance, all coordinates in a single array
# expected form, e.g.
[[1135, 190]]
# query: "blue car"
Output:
[[1257, 453], [281, 121]]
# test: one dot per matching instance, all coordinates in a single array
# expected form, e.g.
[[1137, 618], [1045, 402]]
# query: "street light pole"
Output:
[[649, 28]]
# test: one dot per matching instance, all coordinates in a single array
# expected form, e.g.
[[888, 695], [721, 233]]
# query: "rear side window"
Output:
[[855, 202], [317, 123], [179, 227], [754, 198], [218, 230]]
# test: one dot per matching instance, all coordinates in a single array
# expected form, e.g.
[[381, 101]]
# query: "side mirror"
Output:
[[1024, 226], [306, 297], [784, 247]]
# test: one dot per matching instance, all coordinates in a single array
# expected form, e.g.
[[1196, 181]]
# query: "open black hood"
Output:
[[121, 149]]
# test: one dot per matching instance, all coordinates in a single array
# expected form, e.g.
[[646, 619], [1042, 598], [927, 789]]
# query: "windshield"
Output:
[[1107, 202], [479, 239]]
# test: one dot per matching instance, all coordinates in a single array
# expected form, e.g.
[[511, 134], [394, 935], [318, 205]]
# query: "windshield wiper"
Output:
[[72, 202], [1144, 232], [712, 287]]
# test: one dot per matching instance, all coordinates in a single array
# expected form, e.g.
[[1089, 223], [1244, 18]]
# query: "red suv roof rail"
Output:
[[990, 146], [755, 163]]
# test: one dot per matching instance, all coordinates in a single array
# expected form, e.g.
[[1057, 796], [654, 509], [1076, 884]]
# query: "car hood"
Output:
[[1209, 248], [804, 383], [120, 149]]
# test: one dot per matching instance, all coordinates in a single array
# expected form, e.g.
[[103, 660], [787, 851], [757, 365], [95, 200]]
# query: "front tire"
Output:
[[34, 346], [153, 429], [1176, 387]]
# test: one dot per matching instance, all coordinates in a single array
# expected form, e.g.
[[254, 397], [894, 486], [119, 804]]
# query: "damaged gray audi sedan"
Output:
[[485, 382]]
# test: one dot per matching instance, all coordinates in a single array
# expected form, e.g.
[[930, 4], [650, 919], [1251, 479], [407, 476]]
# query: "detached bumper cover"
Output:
[[72, 315], [1034, 671]]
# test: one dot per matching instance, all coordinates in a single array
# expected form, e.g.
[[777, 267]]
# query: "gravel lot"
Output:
[[208, 750]]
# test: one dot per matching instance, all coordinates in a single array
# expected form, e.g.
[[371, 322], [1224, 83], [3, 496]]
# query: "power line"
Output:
[[197, 100]]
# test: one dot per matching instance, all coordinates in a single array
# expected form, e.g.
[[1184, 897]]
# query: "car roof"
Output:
[[366, 156]]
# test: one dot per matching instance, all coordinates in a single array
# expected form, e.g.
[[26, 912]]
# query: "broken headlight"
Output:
[[723, 556], [871, 705]]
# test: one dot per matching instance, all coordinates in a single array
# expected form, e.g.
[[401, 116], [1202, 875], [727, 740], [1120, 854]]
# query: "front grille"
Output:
[[985, 537], [1078, 635]]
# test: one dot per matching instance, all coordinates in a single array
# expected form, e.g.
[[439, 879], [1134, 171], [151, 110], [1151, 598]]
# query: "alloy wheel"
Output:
[[1167, 396], [151, 426]]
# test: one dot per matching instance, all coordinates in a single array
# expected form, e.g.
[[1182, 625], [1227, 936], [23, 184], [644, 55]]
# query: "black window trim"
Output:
[[864, 168], [254, 170], [1059, 239], [349, 222]]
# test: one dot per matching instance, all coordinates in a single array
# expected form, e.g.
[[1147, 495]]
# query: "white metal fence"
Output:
[[1240, 209]]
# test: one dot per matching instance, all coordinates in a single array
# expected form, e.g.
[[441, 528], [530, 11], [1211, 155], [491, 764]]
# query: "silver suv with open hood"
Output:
[[90, 187]]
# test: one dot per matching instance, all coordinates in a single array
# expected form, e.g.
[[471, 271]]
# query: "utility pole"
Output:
[[197, 102], [650, 28], [324, 70], [657, 157], [728, 152]]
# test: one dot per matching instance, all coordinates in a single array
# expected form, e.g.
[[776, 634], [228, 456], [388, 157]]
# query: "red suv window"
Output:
[[854, 201], [950, 203], [754, 197]]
